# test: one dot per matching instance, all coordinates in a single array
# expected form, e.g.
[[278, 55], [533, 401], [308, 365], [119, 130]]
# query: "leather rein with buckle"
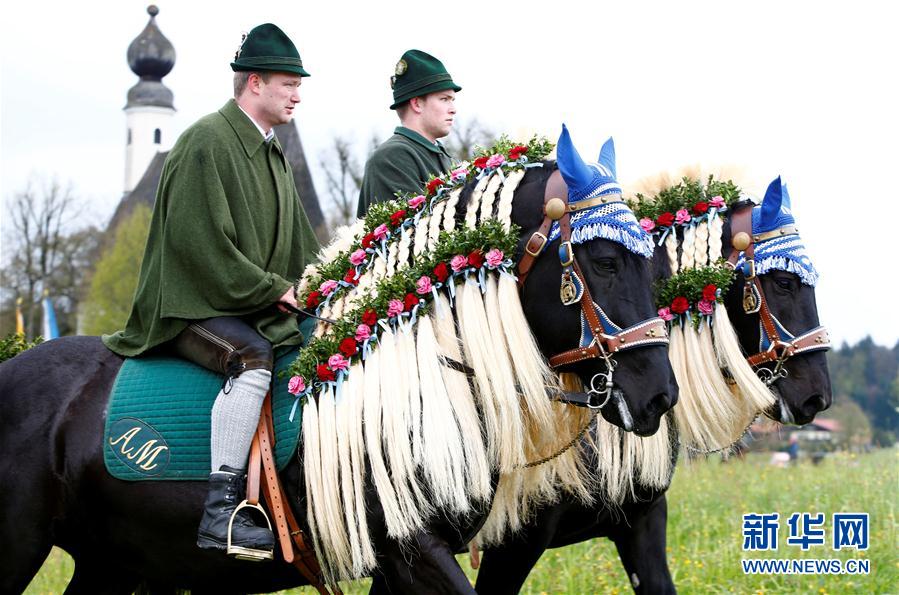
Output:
[[600, 337], [782, 343]]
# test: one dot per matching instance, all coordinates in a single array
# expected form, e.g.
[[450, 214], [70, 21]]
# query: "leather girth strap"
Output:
[[293, 541]]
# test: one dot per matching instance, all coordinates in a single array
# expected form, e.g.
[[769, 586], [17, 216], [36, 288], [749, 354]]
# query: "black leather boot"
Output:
[[225, 493]]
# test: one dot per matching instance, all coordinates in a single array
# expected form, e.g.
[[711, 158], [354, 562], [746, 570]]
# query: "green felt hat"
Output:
[[266, 47], [418, 73]]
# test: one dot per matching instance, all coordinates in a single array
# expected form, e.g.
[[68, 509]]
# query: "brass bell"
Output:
[[740, 241], [555, 208]]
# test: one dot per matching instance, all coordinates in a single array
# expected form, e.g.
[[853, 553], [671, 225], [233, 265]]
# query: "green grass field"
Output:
[[706, 504]]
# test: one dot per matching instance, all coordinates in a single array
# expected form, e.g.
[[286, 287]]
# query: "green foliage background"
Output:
[[112, 288]]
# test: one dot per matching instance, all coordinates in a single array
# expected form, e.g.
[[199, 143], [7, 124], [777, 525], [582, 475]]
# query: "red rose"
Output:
[[708, 292], [348, 347], [350, 276], [700, 208], [313, 299], [476, 259], [433, 185], [324, 372], [517, 152], [370, 317], [397, 217], [367, 240], [480, 162], [410, 301], [680, 305], [441, 272], [665, 219]]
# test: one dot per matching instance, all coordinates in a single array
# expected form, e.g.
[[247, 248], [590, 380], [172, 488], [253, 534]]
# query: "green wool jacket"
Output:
[[228, 237], [404, 162]]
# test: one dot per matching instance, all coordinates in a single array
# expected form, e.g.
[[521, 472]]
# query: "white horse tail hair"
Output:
[[355, 413], [716, 229], [489, 197], [654, 457], [442, 449], [398, 525], [486, 353], [328, 510], [449, 212], [687, 246], [312, 475], [477, 465], [747, 385], [671, 251], [701, 245], [692, 424], [406, 350], [504, 206], [434, 223], [420, 237], [474, 201]]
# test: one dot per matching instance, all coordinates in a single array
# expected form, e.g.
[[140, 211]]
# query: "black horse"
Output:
[[56, 490], [638, 528]]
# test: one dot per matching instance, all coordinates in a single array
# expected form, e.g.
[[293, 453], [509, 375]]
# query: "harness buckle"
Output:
[[536, 250]]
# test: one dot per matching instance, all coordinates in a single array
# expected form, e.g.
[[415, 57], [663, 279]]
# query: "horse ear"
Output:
[[771, 203], [785, 201], [607, 157], [574, 171]]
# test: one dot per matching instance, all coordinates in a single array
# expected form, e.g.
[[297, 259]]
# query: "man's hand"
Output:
[[290, 300]]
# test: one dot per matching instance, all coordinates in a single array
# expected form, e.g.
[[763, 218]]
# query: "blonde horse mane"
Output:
[[433, 439], [720, 394]]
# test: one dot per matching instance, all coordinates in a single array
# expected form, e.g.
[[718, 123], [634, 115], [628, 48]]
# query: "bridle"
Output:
[[776, 343], [600, 337]]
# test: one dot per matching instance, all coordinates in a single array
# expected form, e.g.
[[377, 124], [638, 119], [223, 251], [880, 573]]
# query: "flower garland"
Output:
[[401, 298], [684, 204], [691, 294], [385, 221]]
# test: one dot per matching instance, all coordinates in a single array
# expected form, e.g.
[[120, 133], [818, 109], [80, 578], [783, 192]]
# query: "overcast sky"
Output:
[[807, 90]]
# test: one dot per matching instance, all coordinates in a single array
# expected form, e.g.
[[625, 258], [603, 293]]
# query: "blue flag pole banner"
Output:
[[50, 330]]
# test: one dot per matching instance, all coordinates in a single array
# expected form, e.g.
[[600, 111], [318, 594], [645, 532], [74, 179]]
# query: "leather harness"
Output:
[[294, 543], [603, 337], [783, 344]]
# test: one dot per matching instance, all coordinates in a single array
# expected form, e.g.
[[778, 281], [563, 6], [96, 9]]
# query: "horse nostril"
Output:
[[662, 403], [814, 404]]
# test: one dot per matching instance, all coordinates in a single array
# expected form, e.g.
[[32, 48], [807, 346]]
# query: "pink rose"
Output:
[[458, 263], [328, 287], [363, 332], [495, 160], [394, 307], [338, 362], [296, 385], [495, 258], [357, 257], [716, 202], [380, 231], [682, 216], [705, 307], [647, 224], [414, 203], [459, 174], [423, 285], [665, 314]]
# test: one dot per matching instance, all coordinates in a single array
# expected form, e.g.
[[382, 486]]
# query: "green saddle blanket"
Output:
[[158, 419]]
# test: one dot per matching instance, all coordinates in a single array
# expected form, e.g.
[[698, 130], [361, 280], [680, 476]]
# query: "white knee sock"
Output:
[[235, 416]]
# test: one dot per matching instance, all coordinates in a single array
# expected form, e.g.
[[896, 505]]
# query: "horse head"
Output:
[[604, 302], [788, 342]]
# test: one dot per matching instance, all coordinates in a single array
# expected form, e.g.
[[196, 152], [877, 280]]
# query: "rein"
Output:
[[776, 343], [600, 337]]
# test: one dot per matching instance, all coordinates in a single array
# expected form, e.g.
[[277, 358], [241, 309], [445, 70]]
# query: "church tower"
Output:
[[150, 107]]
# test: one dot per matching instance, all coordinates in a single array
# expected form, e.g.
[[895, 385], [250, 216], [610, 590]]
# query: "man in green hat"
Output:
[[227, 239], [424, 99]]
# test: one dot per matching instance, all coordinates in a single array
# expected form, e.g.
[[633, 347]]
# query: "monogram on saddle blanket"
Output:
[[158, 428]]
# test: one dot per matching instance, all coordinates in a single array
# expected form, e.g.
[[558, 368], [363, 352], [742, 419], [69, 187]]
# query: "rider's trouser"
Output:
[[231, 347]]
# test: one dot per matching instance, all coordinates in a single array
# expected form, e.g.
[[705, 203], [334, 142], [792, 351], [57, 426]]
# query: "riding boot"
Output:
[[225, 493]]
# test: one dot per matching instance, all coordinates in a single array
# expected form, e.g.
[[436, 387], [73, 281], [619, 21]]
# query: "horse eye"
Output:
[[605, 265], [783, 283]]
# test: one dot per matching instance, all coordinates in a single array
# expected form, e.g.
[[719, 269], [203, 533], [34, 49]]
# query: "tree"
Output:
[[464, 139], [855, 428], [115, 278], [46, 255], [343, 177]]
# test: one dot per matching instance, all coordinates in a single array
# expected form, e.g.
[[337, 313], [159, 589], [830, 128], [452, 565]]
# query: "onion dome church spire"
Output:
[[150, 106]]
